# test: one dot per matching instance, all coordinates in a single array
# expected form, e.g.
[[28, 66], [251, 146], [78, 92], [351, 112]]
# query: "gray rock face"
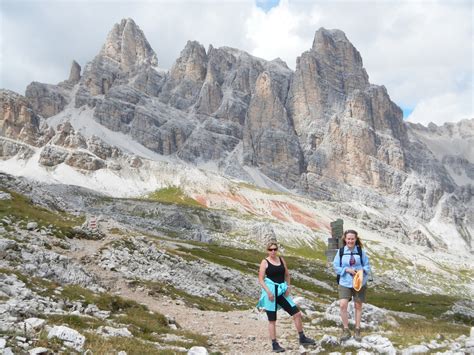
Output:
[[125, 52], [127, 45], [186, 77], [75, 73], [85, 161], [9, 149], [17, 118], [52, 155], [269, 139], [46, 99], [68, 138], [324, 77]]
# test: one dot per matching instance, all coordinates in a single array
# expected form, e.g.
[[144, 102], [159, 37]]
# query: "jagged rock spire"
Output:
[[75, 73], [127, 45]]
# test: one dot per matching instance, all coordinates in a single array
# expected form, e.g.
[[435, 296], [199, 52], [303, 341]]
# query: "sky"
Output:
[[421, 51]]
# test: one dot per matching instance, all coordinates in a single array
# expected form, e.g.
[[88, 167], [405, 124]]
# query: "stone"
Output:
[[32, 225], [372, 316], [38, 351], [5, 196], [114, 332], [70, 337], [85, 161], [415, 349], [198, 350], [31, 324], [53, 155]]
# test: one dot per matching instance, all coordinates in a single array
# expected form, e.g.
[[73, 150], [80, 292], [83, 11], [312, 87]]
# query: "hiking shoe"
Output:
[[346, 334], [357, 335], [276, 348], [304, 340]]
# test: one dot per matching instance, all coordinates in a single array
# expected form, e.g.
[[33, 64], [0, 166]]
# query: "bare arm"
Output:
[[287, 277], [261, 275]]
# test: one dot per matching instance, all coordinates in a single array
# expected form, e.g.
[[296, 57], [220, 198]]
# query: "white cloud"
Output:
[[449, 107], [421, 51], [273, 34]]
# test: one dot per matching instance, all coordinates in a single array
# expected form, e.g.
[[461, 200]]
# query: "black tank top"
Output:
[[276, 273]]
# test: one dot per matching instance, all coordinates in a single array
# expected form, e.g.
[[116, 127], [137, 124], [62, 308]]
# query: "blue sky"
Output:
[[266, 5], [420, 50]]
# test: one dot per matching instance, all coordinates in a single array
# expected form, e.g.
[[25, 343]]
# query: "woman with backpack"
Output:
[[275, 280], [348, 260]]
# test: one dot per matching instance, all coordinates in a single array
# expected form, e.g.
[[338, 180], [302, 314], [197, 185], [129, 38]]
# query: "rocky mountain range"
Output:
[[188, 171], [322, 130]]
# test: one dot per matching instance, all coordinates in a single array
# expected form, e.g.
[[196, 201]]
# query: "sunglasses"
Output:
[[273, 249]]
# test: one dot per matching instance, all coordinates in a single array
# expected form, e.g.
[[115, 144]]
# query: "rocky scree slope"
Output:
[[63, 281]]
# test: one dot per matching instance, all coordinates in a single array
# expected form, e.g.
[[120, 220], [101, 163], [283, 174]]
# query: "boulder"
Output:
[[70, 337]]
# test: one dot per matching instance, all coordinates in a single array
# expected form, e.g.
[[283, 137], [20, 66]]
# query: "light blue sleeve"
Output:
[[337, 268], [366, 266]]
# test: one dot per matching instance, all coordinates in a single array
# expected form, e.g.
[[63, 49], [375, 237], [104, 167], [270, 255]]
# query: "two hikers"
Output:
[[275, 280]]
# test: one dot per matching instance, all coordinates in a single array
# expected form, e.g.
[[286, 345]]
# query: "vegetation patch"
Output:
[[412, 332], [430, 306], [104, 301], [173, 195], [21, 209], [75, 321], [261, 189], [315, 252]]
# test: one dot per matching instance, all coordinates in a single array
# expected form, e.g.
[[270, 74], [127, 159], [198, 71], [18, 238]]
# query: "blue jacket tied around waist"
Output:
[[265, 303]]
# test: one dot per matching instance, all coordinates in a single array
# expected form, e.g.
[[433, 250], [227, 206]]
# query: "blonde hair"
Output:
[[272, 242]]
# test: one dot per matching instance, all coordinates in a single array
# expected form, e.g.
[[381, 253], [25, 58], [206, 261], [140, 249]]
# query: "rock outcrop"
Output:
[[18, 119], [45, 99]]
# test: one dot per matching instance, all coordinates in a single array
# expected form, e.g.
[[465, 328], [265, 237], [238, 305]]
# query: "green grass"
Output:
[[173, 195], [104, 301], [429, 306], [75, 321], [314, 252], [260, 189], [21, 209], [416, 331], [244, 260]]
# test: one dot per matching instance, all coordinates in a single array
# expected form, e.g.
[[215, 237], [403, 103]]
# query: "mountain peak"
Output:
[[334, 44], [127, 44]]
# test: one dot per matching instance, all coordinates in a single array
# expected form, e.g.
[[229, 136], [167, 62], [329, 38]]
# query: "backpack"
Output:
[[341, 254]]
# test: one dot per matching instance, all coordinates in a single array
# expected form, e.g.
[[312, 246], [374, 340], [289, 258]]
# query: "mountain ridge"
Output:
[[322, 130]]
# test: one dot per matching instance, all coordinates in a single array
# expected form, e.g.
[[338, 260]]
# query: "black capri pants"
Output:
[[283, 303]]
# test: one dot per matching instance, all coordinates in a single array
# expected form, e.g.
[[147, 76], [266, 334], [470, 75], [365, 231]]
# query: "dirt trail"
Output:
[[235, 332]]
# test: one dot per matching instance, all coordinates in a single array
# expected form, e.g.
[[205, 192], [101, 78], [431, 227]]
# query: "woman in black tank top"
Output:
[[273, 276], [276, 273]]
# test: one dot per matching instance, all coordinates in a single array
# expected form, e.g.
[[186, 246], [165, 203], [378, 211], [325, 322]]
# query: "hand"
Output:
[[351, 271], [270, 296], [287, 292]]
